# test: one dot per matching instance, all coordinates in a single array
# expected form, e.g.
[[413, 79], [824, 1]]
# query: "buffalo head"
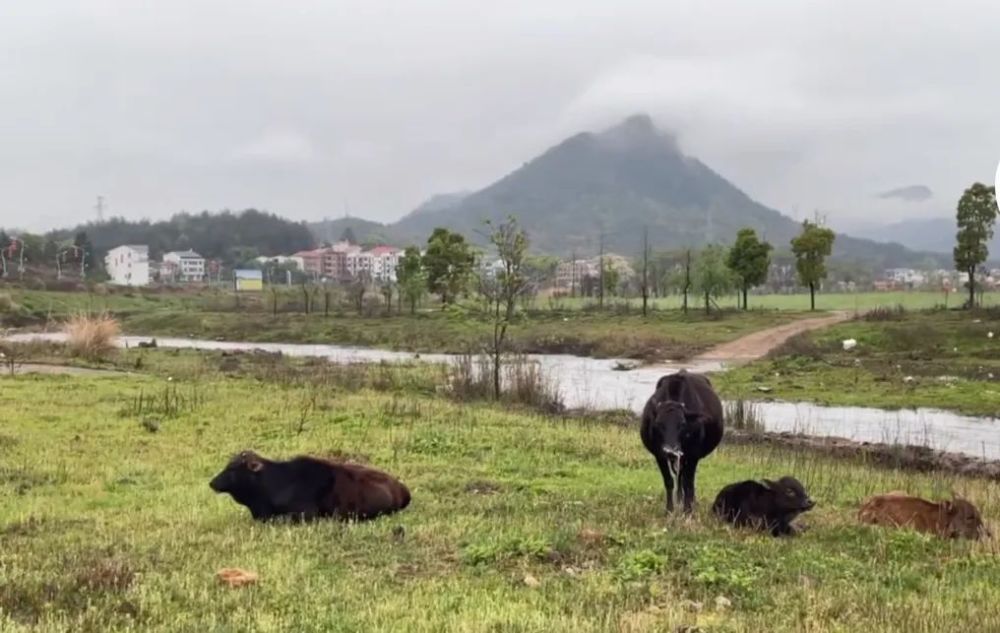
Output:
[[963, 520], [240, 474], [790, 496], [678, 427]]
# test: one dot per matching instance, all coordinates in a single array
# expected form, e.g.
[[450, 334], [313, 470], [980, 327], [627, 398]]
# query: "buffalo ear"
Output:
[[255, 465]]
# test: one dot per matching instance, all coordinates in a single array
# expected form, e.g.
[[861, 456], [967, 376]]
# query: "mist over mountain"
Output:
[[610, 185], [912, 193]]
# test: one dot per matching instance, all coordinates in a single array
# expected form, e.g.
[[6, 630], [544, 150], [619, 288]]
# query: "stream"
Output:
[[596, 384]]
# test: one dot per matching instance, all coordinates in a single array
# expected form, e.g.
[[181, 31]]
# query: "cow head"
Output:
[[240, 474], [962, 520], [790, 496]]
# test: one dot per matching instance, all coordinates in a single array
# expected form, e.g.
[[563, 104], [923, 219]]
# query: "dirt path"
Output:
[[756, 345], [38, 368]]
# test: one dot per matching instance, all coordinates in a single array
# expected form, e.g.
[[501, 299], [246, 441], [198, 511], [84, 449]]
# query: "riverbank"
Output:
[[902, 360], [516, 518], [618, 332]]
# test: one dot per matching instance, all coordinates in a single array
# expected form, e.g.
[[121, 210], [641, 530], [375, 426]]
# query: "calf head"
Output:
[[961, 519], [241, 475], [789, 496]]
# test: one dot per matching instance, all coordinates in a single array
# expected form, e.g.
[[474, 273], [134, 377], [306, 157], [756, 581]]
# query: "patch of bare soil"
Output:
[[758, 344]]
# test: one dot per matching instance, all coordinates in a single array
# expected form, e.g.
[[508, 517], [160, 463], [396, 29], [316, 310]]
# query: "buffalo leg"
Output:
[[668, 480], [686, 483]]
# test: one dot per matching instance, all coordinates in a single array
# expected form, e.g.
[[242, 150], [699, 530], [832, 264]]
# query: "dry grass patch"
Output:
[[92, 336]]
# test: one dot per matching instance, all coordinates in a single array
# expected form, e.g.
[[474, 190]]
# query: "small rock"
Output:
[[989, 335], [849, 344], [235, 577], [722, 603], [531, 581], [764, 389], [909, 379]]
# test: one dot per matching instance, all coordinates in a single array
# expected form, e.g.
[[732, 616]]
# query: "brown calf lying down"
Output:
[[306, 488], [948, 519]]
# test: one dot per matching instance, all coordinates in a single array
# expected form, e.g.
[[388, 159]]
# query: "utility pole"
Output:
[[645, 268], [600, 273], [572, 277]]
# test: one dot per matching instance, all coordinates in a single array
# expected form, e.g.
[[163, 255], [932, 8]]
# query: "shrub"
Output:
[[885, 313], [91, 337], [7, 305]]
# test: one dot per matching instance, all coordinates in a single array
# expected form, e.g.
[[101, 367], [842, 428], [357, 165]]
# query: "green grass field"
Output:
[[939, 359], [110, 526]]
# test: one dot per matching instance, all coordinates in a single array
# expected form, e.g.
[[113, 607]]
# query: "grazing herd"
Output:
[[682, 423]]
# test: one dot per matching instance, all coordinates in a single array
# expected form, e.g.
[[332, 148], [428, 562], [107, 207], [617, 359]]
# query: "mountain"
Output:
[[912, 193], [935, 235], [440, 202], [615, 183]]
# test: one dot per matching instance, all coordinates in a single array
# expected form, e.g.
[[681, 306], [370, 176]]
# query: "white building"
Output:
[[385, 259], [281, 260], [183, 266], [128, 265]]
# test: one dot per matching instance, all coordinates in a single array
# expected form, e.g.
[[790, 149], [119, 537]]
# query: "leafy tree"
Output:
[[448, 261], [540, 268], [348, 236], [82, 241], [977, 214], [412, 277], [749, 259], [644, 285], [504, 286], [811, 248], [711, 277]]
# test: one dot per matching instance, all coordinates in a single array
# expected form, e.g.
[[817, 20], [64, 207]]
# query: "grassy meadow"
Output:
[[620, 331], [944, 359], [520, 521]]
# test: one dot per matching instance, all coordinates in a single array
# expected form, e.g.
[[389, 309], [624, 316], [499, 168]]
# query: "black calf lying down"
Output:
[[306, 488], [770, 506]]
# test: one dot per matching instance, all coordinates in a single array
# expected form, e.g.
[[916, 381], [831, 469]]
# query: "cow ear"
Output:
[[255, 465]]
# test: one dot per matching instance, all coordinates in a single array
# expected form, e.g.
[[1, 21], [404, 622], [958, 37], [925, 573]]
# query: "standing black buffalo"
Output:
[[306, 488], [681, 424]]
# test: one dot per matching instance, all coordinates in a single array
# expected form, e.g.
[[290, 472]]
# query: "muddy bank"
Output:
[[898, 456]]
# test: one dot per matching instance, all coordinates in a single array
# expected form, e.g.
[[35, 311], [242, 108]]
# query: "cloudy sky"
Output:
[[307, 108]]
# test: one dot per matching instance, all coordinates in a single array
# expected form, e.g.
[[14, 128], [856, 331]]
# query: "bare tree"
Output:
[[503, 286]]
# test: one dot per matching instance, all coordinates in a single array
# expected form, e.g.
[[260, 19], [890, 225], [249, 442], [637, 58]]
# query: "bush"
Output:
[[91, 337], [885, 313], [7, 305]]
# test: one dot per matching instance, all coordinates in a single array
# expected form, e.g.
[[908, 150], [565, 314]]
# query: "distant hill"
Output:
[[936, 235], [230, 237], [616, 182], [365, 231]]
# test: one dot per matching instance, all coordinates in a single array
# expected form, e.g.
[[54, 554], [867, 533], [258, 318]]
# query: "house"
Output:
[[184, 266], [128, 265], [384, 260], [249, 280], [570, 275]]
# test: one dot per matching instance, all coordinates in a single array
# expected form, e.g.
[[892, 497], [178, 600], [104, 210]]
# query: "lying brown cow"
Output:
[[306, 488], [948, 519]]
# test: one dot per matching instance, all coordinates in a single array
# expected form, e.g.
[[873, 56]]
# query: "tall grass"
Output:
[[743, 415], [523, 382], [92, 336]]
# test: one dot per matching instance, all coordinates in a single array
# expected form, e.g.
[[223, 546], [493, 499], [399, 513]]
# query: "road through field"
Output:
[[758, 344]]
